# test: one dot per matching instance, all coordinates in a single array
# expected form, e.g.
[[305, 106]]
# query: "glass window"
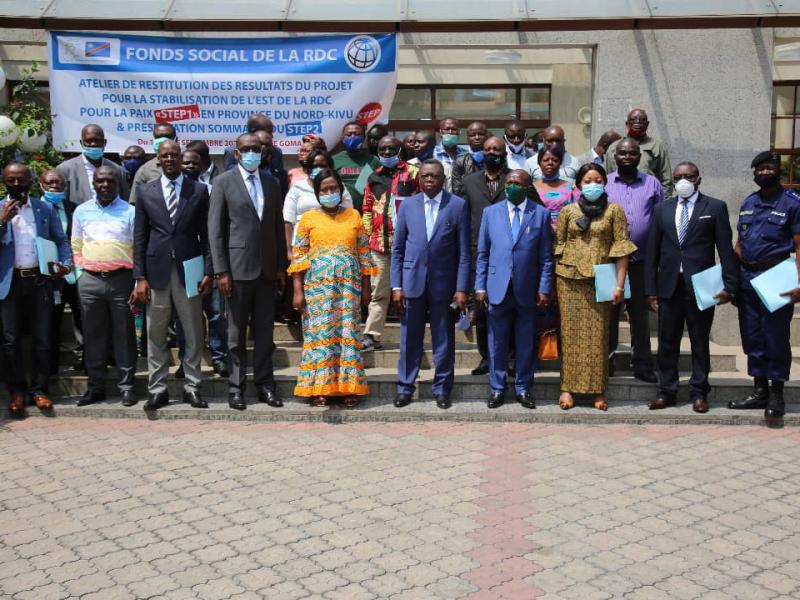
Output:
[[411, 103], [476, 103], [783, 100], [785, 130], [535, 103]]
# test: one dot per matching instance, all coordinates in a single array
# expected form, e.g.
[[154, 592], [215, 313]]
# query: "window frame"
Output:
[[794, 118]]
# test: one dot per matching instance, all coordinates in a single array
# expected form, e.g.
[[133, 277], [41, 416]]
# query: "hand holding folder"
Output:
[[605, 282], [773, 285], [194, 271], [707, 286]]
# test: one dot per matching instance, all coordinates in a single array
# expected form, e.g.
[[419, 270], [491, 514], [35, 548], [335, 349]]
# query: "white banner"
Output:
[[208, 87]]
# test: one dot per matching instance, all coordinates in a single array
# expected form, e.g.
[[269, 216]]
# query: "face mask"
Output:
[[157, 142], [132, 165], [315, 171], [449, 140], [17, 192], [685, 188], [353, 143], [494, 162], [555, 177], [390, 162], [767, 181], [634, 134], [477, 156], [190, 174], [54, 197], [515, 148], [425, 154], [250, 160], [93, 153], [515, 193], [593, 191], [330, 200]]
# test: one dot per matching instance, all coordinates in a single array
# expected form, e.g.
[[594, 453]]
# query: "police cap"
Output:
[[767, 156]]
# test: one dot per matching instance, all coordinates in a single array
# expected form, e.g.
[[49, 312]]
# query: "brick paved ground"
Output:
[[114, 509]]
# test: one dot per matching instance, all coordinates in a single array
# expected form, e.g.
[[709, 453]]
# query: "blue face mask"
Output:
[[353, 143], [250, 160], [390, 162], [93, 153], [425, 153], [132, 164], [315, 171], [157, 142], [330, 200], [54, 197], [592, 191], [477, 156]]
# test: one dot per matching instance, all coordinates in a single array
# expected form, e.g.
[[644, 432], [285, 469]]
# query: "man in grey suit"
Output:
[[245, 230], [152, 168], [78, 172]]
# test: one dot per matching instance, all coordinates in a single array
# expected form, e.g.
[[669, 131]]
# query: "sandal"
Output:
[[350, 402], [566, 401], [319, 401], [600, 402]]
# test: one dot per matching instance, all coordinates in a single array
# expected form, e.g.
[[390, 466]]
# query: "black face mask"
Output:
[[17, 192], [494, 162], [193, 175], [767, 181]]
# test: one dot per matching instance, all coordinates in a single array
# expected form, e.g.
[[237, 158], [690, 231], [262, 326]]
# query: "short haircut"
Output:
[[322, 176], [253, 121], [432, 161], [200, 147], [556, 150], [312, 156], [584, 169], [170, 125], [356, 123], [688, 163]]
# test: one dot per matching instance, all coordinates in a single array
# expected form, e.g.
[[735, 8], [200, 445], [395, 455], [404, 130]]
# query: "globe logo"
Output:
[[363, 53]]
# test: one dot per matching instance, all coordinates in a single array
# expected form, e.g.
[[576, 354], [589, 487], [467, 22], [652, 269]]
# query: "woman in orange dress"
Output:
[[331, 269]]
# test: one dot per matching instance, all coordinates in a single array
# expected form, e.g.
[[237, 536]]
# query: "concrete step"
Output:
[[627, 399]]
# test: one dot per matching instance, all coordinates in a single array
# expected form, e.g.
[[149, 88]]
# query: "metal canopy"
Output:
[[396, 15]]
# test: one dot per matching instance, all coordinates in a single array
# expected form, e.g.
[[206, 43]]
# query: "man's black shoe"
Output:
[[370, 343], [776, 408], [221, 369], [236, 401], [156, 401], [269, 396], [443, 401], [129, 398], [402, 400], [526, 399], [91, 397], [757, 400], [496, 400], [482, 368], [194, 399]]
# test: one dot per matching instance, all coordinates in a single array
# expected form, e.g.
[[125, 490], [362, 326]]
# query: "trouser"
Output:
[[29, 304], [381, 294], [508, 321], [69, 296], [159, 316], [418, 312], [107, 314], [213, 308], [638, 317], [672, 313], [251, 303], [765, 337]]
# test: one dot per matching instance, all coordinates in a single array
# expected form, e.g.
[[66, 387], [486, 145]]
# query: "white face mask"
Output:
[[515, 148], [684, 188]]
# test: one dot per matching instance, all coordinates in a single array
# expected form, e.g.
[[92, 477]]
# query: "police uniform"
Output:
[[766, 227]]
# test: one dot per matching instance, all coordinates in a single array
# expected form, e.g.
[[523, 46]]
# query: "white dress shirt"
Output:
[[90, 169], [511, 206], [165, 181], [205, 177], [259, 190], [23, 226]]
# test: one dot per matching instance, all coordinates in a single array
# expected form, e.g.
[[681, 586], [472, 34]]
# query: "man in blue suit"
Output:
[[514, 276], [26, 294], [429, 272]]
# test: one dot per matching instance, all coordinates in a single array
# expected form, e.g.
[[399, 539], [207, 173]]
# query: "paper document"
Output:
[[771, 283], [194, 270], [707, 284], [47, 252], [605, 282]]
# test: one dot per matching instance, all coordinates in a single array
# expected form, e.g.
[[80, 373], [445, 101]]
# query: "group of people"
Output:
[[503, 234]]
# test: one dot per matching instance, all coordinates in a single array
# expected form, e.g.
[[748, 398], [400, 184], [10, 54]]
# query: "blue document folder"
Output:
[[707, 284], [771, 283], [605, 282], [46, 252], [194, 271]]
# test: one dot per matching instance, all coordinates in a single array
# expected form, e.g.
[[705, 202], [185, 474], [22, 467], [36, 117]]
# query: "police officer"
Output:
[[769, 231]]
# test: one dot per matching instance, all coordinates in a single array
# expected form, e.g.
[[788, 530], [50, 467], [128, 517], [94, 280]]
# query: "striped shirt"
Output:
[[102, 238]]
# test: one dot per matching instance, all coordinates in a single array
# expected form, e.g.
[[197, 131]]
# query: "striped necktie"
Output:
[[172, 202], [683, 221]]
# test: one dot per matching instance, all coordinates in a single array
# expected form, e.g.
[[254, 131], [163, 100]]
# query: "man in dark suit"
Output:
[[78, 171], [171, 227], [481, 189], [684, 233], [255, 122], [514, 276], [26, 296], [429, 272], [245, 228], [65, 290]]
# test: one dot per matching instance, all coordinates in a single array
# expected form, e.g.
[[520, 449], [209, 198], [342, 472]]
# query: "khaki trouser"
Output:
[[381, 294]]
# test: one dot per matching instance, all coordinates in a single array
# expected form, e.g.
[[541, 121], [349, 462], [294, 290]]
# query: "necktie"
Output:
[[172, 201], [683, 221], [429, 222], [251, 187], [515, 225]]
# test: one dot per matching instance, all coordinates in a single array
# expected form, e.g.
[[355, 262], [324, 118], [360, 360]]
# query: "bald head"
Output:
[[553, 135]]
